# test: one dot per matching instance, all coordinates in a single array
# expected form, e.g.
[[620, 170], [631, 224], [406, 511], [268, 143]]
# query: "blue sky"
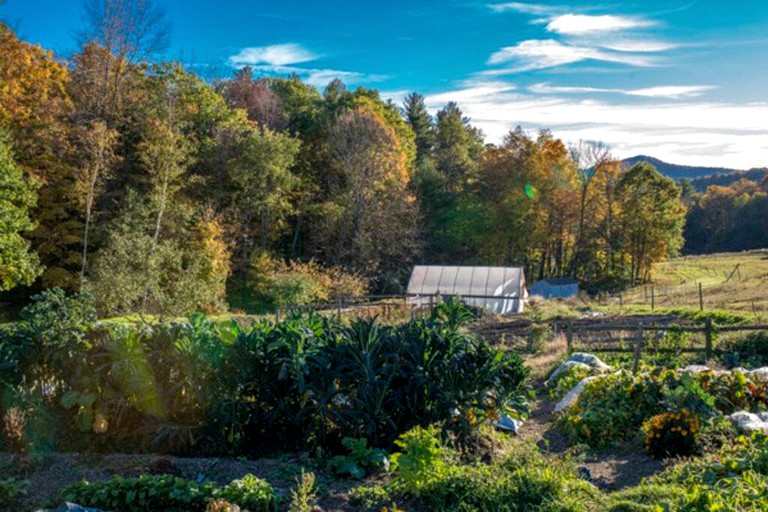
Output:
[[685, 81]]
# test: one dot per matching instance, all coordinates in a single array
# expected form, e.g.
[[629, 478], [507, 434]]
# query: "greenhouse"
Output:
[[500, 290]]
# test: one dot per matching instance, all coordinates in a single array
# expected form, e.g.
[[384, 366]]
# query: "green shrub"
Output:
[[296, 283], [169, 493], [360, 460], [248, 492], [10, 491], [521, 481], [372, 498], [750, 350], [200, 387], [565, 381], [304, 495], [613, 407], [671, 434]]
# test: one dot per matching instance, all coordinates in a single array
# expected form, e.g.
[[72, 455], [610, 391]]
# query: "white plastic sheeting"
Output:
[[506, 283]]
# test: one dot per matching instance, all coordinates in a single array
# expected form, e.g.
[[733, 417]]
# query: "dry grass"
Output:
[[544, 360], [735, 282]]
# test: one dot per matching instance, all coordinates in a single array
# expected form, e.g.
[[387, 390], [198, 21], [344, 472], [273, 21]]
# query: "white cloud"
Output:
[[320, 77], [695, 133], [639, 46], [547, 53], [667, 91], [673, 91], [526, 8], [273, 55], [578, 24]]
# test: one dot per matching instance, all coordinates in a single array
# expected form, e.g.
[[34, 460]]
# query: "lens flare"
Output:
[[531, 191]]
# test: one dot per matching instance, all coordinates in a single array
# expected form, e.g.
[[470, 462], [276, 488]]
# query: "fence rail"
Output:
[[638, 343]]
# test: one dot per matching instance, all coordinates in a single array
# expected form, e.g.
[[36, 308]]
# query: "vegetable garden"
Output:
[[389, 417]]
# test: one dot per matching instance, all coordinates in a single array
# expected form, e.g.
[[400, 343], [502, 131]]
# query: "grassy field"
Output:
[[735, 282]]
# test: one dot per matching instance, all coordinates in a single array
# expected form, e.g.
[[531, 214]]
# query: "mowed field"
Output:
[[729, 281]]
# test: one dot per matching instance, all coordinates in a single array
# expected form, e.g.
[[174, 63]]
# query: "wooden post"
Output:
[[638, 348], [277, 315], [653, 297], [708, 335], [569, 336], [701, 299]]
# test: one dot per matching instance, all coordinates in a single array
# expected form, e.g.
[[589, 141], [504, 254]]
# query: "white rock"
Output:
[[749, 422], [573, 394], [564, 367], [590, 360], [763, 416], [759, 373]]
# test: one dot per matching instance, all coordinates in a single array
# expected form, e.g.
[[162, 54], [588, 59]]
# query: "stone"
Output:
[[749, 422]]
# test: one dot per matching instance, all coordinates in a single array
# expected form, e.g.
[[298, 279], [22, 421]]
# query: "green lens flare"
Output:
[[531, 191]]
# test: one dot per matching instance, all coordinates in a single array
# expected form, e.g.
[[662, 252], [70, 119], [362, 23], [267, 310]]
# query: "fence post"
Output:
[[277, 315], [708, 332], [701, 299], [569, 336], [638, 348], [653, 296]]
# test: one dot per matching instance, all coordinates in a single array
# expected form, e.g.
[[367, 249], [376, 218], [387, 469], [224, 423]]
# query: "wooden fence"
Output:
[[638, 336], [366, 305]]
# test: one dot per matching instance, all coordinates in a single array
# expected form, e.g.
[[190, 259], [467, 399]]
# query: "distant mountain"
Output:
[[676, 171], [701, 177]]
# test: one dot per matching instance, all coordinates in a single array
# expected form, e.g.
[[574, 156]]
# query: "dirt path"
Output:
[[609, 469]]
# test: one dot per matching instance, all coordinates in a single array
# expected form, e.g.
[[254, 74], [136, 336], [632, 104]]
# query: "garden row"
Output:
[[197, 387]]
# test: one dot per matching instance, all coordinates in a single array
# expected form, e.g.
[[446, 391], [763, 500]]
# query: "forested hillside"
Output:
[[159, 192]]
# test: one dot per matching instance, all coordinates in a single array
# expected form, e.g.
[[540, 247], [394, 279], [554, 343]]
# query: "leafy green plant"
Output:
[[10, 491], [248, 492], [421, 462], [360, 460], [370, 498], [304, 495], [169, 493]]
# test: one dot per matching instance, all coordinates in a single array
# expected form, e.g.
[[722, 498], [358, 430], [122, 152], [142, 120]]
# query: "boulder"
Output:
[[749, 422]]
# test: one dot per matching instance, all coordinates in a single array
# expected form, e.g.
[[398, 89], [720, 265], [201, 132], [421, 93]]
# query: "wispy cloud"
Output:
[[281, 59], [273, 55], [527, 8], [668, 91], [636, 46], [579, 24], [698, 132], [547, 53], [320, 77]]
